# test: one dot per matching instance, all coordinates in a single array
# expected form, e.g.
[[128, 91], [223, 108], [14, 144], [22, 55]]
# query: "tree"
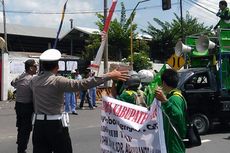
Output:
[[165, 38], [141, 61], [92, 47]]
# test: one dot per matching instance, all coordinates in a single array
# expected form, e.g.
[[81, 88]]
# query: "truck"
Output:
[[206, 101], [205, 82]]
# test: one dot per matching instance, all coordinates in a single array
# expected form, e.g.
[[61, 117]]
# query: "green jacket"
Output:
[[133, 97], [224, 18], [128, 96], [175, 108]]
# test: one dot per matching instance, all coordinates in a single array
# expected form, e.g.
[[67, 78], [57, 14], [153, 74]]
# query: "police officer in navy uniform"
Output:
[[50, 133], [24, 105]]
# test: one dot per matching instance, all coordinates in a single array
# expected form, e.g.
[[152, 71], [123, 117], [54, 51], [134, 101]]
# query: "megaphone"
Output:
[[181, 48], [203, 43]]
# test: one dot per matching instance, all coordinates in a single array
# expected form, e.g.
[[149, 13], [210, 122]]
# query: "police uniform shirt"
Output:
[[21, 83], [48, 91]]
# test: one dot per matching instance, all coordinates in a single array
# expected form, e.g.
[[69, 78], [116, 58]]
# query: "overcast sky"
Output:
[[46, 13]]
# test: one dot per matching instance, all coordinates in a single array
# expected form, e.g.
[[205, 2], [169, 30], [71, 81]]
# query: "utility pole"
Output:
[[106, 44], [131, 29], [181, 21], [182, 32], [5, 56], [71, 41]]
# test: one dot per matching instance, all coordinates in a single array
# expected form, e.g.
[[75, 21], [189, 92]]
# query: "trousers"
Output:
[[24, 114], [70, 102], [85, 94], [49, 136]]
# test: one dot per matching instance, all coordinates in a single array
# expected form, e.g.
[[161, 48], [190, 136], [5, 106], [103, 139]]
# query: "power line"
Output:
[[202, 6], [81, 11], [209, 3], [200, 14]]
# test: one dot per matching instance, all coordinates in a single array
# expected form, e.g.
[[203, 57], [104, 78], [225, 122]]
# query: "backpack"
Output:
[[192, 137]]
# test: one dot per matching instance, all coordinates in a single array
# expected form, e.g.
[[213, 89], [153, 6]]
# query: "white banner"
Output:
[[128, 128]]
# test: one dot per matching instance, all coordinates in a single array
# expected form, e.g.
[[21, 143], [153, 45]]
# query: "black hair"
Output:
[[223, 3], [170, 77], [28, 64], [49, 65]]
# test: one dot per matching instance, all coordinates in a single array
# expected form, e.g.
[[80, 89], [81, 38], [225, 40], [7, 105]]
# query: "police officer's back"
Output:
[[50, 134]]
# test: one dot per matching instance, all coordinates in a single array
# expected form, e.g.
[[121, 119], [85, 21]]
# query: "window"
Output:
[[198, 81]]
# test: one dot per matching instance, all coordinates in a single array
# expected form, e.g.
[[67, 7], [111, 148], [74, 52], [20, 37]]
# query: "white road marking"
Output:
[[206, 140]]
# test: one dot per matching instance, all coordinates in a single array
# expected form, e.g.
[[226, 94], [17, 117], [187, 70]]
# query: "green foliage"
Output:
[[165, 37], [140, 61], [92, 47]]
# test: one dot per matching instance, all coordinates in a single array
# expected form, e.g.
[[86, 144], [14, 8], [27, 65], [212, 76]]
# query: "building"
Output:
[[29, 42]]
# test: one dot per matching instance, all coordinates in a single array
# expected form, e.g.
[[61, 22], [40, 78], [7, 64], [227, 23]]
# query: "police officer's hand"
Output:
[[118, 75], [159, 94]]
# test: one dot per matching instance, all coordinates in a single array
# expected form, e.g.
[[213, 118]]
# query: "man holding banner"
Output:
[[174, 109]]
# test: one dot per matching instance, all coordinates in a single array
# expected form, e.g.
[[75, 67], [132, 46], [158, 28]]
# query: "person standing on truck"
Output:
[[50, 132], [24, 104], [224, 15], [174, 109]]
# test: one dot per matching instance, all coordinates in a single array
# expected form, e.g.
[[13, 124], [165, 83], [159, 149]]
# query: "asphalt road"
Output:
[[85, 131]]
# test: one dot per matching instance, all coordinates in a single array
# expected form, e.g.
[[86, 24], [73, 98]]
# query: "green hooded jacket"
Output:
[[175, 108], [225, 18]]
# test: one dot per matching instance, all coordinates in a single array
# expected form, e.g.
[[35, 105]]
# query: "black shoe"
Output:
[[95, 106], [74, 113], [91, 108]]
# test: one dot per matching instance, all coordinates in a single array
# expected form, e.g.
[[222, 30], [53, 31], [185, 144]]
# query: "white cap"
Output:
[[73, 71], [50, 55], [146, 76]]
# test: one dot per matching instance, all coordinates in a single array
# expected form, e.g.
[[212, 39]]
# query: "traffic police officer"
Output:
[[50, 133], [24, 104]]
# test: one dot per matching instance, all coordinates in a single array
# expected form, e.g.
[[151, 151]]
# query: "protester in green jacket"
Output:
[[174, 108], [130, 90], [224, 15]]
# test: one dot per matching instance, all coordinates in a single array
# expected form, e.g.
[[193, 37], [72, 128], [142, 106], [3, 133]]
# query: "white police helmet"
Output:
[[50, 55], [146, 76]]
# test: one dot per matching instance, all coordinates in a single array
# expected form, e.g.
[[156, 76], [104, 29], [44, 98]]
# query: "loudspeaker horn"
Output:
[[203, 43], [181, 48]]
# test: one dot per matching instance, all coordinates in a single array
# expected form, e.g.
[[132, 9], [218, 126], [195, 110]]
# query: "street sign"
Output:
[[176, 62]]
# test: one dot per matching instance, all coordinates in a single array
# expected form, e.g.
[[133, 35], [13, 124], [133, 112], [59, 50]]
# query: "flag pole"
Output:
[[60, 26]]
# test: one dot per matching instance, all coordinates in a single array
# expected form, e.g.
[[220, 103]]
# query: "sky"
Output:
[[46, 13]]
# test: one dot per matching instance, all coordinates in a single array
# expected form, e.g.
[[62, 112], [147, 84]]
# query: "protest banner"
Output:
[[128, 128]]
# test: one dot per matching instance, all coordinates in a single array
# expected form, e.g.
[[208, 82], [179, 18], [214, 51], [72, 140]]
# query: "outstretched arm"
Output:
[[117, 75]]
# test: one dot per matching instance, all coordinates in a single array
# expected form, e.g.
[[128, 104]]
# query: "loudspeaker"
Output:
[[181, 48], [203, 43]]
